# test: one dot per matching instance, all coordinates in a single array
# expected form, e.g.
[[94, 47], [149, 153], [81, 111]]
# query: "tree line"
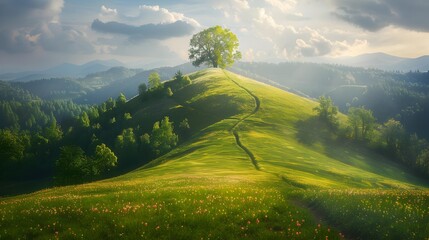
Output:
[[101, 141], [389, 138]]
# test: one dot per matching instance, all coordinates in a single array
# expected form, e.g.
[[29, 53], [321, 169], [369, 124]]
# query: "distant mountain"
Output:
[[70, 88], [382, 61], [65, 70], [101, 79], [129, 86]]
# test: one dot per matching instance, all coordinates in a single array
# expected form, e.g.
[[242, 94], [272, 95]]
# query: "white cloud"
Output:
[[109, 11], [266, 20], [145, 32], [283, 5], [236, 5], [36, 26], [157, 14]]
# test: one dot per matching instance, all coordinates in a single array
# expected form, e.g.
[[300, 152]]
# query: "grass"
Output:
[[374, 214], [208, 188]]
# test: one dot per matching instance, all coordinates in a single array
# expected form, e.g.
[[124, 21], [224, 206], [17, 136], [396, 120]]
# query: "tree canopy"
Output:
[[154, 81], [327, 111], [362, 121], [163, 137], [215, 46]]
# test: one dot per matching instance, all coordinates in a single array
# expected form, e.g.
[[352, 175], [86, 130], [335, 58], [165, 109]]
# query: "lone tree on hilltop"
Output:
[[215, 46]]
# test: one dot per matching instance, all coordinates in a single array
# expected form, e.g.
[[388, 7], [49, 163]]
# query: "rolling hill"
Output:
[[65, 70], [403, 97], [255, 167]]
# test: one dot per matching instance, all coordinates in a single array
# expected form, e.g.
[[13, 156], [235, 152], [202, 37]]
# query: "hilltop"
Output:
[[254, 166]]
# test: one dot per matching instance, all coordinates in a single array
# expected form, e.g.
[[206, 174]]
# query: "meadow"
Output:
[[374, 213], [209, 187]]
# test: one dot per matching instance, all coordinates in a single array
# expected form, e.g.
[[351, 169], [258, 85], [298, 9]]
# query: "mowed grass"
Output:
[[208, 188]]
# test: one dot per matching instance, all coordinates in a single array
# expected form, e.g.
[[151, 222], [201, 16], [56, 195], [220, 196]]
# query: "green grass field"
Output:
[[255, 167]]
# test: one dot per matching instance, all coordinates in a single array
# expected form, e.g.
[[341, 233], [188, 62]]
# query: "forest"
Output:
[[71, 143]]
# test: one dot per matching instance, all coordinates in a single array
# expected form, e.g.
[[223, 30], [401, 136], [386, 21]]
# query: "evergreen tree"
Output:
[[84, 120]]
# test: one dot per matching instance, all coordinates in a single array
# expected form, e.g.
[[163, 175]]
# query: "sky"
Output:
[[37, 34]]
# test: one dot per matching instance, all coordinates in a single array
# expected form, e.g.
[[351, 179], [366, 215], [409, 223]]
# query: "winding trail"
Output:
[[317, 215], [233, 129]]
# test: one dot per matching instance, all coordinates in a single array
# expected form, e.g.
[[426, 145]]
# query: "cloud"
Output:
[[375, 15], [288, 42], [235, 9], [237, 5], [60, 38], [283, 5], [35, 25], [266, 20], [157, 14], [109, 11], [144, 32]]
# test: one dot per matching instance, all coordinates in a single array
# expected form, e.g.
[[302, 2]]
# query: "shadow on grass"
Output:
[[312, 131]]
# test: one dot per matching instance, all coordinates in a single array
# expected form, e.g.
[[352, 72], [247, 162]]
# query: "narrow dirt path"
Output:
[[317, 215], [233, 129]]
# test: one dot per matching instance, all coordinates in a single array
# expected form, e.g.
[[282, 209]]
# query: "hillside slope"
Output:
[[233, 179]]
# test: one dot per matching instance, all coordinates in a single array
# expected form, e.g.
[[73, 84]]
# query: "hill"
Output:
[[129, 86], [65, 70], [382, 61], [254, 167], [402, 96]]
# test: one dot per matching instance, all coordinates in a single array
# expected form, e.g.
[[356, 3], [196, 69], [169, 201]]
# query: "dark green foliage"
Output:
[[142, 89], [362, 123], [72, 165], [55, 88], [163, 137], [184, 129], [145, 139], [184, 124], [127, 139], [126, 146], [53, 132], [179, 81], [84, 120], [110, 104], [154, 81], [327, 111], [156, 89], [121, 100], [423, 161], [104, 159], [127, 116], [11, 146], [36, 114], [393, 133], [168, 92]]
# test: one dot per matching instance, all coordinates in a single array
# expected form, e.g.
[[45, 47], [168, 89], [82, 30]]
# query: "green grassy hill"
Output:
[[255, 167]]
